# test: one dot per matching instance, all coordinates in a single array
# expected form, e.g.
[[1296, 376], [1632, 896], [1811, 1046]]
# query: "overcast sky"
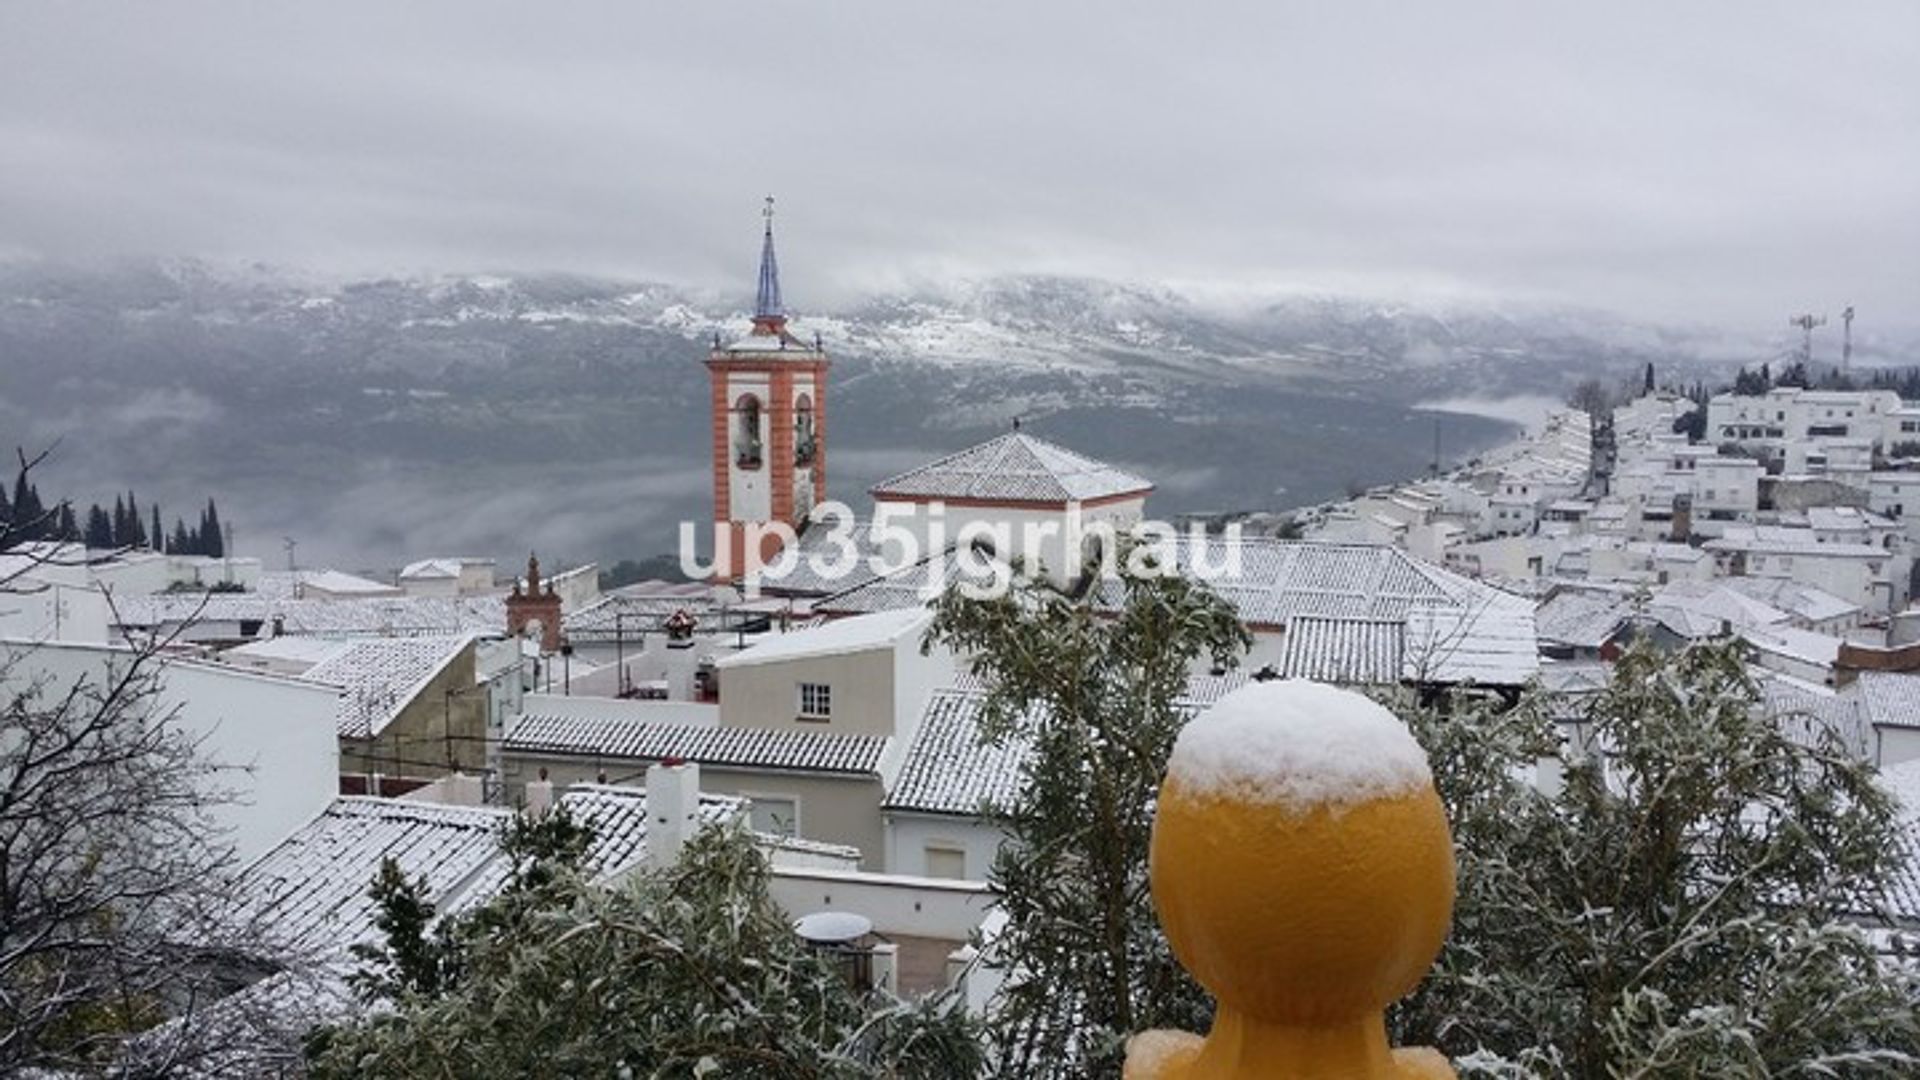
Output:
[[1732, 161]]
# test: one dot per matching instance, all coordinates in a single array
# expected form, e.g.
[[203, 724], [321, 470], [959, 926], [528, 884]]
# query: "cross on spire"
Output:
[[768, 315]]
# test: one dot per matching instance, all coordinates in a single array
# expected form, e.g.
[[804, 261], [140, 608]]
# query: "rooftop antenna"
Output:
[[1846, 338], [1806, 323]]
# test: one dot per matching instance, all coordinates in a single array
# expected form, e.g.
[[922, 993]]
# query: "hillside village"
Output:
[[406, 719]]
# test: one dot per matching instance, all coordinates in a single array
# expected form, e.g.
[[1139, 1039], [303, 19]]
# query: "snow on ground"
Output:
[[1300, 744]]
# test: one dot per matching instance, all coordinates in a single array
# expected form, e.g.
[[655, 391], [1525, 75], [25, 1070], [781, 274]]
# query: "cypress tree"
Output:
[[6, 506], [21, 491], [69, 528], [99, 528], [181, 543], [213, 543], [122, 532], [136, 524], [156, 537]]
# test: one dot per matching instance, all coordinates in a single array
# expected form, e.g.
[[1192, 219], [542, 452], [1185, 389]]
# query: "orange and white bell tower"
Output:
[[769, 428]]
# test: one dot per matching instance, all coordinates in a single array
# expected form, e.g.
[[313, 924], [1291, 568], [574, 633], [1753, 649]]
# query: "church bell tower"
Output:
[[769, 427]]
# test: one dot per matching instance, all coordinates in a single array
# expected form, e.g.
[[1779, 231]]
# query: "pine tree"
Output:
[[1094, 697], [1682, 904], [156, 536], [121, 532], [99, 533], [6, 507], [69, 528], [180, 543], [212, 543]]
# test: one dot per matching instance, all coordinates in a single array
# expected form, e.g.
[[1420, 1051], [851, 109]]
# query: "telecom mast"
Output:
[[1806, 323], [1846, 338]]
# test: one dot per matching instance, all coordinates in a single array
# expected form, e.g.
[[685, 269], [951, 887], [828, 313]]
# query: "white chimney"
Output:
[[673, 810], [539, 797]]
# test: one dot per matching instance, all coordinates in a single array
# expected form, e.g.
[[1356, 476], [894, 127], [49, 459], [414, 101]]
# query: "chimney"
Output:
[[463, 789], [539, 796], [673, 810]]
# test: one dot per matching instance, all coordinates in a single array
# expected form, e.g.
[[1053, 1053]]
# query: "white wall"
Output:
[[897, 904], [909, 836], [1896, 744], [274, 740]]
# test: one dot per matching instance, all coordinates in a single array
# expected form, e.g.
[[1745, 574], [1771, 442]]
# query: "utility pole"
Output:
[[1806, 323], [1846, 338]]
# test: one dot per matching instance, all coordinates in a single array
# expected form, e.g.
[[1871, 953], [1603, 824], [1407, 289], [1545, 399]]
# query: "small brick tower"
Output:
[[769, 426], [535, 602]]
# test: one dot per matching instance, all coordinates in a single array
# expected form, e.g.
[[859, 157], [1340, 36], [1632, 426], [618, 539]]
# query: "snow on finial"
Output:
[[768, 316], [1301, 745]]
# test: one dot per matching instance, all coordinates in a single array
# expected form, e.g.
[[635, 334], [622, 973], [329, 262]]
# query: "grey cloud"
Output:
[[1731, 160]]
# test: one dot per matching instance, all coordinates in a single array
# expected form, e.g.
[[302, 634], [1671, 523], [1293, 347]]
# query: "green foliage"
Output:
[[1095, 696], [1679, 907], [688, 971]]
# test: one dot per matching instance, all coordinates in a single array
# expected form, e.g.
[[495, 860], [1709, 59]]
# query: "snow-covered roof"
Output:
[[859, 633], [632, 614], [1277, 582], [1805, 712], [390, 616], [1845, 519], [288, 649], [856, 548], [341, 583], [720, 747], [1581, 618], [1489, 644], [1793, 643], [1336, 650], [382, 676], [439, 568], [1891, 698], [1902, 895], [1017, 468], [948, 769], [311, 889], [617, 813], [1797, 600]]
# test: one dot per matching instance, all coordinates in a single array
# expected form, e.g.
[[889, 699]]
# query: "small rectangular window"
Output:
[[816, 701], [775, 814], [946, 862]]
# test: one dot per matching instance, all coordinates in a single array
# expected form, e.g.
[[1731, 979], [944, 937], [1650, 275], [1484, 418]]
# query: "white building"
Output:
[[1788, 424], [448, 577], [269, 740]]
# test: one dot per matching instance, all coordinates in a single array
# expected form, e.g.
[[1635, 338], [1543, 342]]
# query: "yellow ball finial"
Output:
[[1303, 872]]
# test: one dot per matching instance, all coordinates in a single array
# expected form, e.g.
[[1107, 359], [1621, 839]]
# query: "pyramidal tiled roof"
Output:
[[1016, 467]]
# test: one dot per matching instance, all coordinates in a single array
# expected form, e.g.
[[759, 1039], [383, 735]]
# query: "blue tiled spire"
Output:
[[766, 303]]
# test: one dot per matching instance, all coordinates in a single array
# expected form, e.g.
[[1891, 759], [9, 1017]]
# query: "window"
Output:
[[946, 862], [746, 438], [804, 444], [775, 814], [816, 701]]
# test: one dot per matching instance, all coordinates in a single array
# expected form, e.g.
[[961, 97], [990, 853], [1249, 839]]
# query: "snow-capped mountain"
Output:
[[487, 413]]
